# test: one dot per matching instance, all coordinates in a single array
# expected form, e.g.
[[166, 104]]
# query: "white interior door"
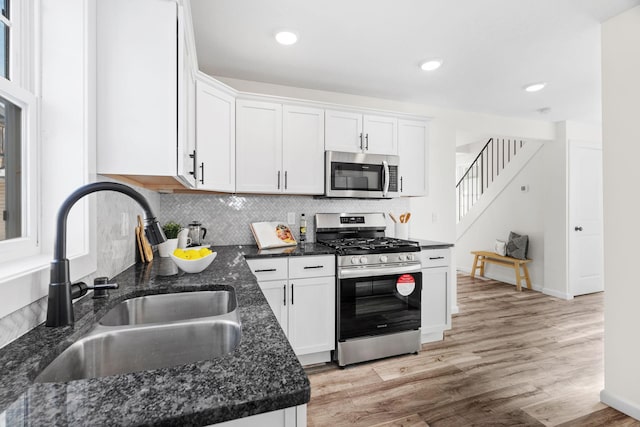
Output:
[[585, 218]]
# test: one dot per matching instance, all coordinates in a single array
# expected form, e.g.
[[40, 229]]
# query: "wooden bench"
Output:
[[482, 257]]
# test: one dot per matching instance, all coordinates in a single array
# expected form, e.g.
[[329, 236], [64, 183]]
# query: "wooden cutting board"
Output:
[[146, 246], [139, 244]]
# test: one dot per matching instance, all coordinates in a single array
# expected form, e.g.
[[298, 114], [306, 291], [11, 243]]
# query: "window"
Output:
[[18, 183], [5, 37], [10, 170]]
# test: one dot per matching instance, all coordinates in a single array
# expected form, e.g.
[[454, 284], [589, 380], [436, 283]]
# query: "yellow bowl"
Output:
[[194, 265]]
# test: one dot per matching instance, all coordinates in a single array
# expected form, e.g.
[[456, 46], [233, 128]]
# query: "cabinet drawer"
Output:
[[435, 258], [312, 266], [268, 268]]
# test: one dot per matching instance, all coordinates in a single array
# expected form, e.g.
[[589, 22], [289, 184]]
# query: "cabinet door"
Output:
[[276, 294], [216, 138], [343, 131], [258, 147], [137, 87], [436, 315], [303, 149], [380, 134], [312, 315], [187, 170], [412, 148]]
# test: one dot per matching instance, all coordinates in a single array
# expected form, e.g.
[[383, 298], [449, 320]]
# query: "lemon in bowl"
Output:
[[193, 260]]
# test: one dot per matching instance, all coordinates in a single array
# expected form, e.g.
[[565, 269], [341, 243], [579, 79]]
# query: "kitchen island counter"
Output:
[[261, 375]]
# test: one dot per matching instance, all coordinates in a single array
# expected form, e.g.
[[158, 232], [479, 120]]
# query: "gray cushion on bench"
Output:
[[517, 246]]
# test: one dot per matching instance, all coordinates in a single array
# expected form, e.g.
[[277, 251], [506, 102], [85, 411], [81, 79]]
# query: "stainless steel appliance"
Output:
[[361, 175], [379, 287]]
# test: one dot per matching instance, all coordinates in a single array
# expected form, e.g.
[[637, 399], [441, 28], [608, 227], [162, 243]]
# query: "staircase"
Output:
[[496, 154]]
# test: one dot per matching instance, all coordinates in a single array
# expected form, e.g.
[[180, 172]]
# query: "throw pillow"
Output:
[[500, 247], [517, 246]]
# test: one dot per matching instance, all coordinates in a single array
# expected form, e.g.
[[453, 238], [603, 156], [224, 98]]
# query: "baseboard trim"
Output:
[[557, 294], [620, 404], [313, 358], [431, 337]]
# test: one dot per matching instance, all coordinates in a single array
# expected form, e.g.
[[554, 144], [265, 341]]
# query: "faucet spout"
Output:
[[59, 302]]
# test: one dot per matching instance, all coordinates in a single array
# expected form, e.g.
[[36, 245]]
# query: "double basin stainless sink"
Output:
[[152, 332]]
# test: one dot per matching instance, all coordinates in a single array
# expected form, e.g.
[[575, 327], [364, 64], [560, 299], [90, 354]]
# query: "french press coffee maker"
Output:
[[197, 233]]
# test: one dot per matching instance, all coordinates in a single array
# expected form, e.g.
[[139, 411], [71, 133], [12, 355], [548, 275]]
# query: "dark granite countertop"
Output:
[[262, 374], [430, 244], [299, 250]]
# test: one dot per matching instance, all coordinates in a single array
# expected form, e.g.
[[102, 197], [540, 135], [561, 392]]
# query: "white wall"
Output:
[[511, 210], [621, 151]]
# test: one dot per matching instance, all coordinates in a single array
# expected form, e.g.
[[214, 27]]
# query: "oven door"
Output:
[[379, 304], [361, 175]]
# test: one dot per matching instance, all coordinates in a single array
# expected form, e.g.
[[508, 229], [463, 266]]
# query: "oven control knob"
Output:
[[355, 260], [363, 260], [409, 257], [383, 258], [401, 257]]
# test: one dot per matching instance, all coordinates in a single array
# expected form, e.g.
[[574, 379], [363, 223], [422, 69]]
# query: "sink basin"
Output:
[[165, 308], [112, 351], [152, 332]]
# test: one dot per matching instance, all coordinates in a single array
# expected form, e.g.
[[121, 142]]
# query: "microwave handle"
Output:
[[385, 178]]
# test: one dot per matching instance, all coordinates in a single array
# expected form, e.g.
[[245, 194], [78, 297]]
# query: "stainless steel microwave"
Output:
[[361, 175]]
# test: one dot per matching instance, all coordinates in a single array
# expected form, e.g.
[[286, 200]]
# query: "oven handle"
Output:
[[350, 273], [385, 178]]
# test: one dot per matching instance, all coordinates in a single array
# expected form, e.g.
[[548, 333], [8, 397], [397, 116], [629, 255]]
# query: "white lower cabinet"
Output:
[[289, 417], [436, 294], [301, 293]]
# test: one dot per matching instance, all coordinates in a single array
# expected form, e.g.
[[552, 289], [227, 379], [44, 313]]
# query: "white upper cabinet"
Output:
[[303, 149], [215, 136], [343, 131], [380, 134], [142, 89], [258, 147], [412, 147], [360, 133], [279, 148]]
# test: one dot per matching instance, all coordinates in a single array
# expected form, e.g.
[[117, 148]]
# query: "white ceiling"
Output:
[[491, 49]]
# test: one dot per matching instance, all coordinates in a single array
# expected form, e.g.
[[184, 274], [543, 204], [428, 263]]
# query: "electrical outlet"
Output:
[[291, 218]]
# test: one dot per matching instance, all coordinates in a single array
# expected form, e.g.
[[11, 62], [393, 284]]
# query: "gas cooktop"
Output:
[[374, 245]]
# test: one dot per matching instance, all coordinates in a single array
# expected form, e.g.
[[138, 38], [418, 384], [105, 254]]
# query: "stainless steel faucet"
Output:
[[59, 303]]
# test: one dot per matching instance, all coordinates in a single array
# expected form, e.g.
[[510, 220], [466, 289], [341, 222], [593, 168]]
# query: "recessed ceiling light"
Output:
[[534, 87], [286, 37], [430, 65]]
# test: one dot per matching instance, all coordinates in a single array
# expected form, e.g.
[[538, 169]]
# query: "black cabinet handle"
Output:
[[265, 269], [436, 257], [202, 173], [292, 294], [366, 138], [313, 266], [278, 180], [285, 180], [284, 294], [195, 163], [361, 143], [578, 228], [401, 184]]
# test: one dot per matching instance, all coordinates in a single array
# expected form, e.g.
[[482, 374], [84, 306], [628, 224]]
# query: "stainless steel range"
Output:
[[379, 287]]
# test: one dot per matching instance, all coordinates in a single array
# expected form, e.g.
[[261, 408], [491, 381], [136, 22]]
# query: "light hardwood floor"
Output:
[[511, 358]]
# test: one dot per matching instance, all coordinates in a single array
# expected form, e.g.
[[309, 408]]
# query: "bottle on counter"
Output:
[[303, 229]]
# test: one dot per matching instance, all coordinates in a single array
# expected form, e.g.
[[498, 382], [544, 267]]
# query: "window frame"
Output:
[[18, 89]]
